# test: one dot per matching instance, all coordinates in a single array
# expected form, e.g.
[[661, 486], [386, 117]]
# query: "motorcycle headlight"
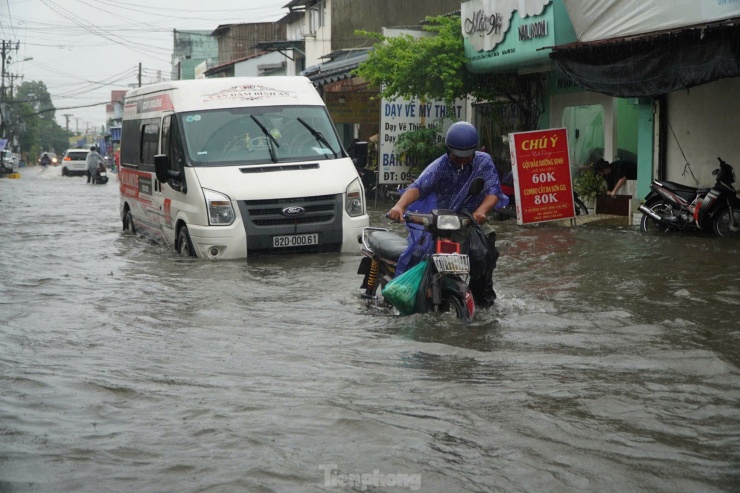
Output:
[[448, 222], [220, 212], [355, 199]]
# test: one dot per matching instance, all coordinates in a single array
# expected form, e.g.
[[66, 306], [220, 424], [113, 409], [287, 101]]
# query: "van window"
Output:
[[239, 136], [149, 143], [130, 143]]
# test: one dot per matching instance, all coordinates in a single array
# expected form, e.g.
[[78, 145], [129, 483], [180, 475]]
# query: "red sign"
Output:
[[542, 183]]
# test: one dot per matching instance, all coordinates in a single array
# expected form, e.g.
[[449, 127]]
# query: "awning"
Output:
[[282, 46], [655, 63], [339, 68]]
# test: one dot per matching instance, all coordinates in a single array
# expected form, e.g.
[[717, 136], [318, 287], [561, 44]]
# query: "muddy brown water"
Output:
[[610, 362]]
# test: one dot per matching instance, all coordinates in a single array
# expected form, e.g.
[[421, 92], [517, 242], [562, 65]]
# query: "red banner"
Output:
[[542, 183]]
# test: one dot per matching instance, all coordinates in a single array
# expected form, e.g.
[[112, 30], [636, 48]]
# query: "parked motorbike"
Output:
[[450, 269], [674, 207], [509, 211]]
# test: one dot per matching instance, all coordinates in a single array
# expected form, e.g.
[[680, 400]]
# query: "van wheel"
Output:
[[64, 171], [184, 245], [128, 223]]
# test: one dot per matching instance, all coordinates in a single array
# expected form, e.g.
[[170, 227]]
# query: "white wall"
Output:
[[706, 121], [248, 68], [319, 44]]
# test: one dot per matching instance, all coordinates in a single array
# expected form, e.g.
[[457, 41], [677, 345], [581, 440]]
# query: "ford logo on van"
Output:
[[294, 211]]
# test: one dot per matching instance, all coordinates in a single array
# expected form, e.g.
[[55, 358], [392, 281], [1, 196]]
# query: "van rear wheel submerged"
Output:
[[184, 245], [128, 223]]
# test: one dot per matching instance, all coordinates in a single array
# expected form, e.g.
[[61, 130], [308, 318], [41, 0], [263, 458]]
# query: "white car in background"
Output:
[[74, 162], [8, 162]]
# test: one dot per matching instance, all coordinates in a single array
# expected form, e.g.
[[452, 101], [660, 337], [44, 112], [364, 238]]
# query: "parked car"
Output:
[[8, 163], [75, 162]]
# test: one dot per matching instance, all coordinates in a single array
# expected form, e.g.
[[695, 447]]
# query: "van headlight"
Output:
[[355, 201], [220, 212]]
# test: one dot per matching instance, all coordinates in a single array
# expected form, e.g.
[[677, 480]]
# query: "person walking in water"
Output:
[[93, 162]]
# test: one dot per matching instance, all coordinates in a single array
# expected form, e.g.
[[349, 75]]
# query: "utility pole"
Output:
[[5, 47], [12, 78], [139, 74], [67, 116]]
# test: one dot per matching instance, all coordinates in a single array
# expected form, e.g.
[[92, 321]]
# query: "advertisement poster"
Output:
[[542, 181], [400, 116]]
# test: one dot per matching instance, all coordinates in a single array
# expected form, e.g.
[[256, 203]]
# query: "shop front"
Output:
[[677, 63], [504, 37]]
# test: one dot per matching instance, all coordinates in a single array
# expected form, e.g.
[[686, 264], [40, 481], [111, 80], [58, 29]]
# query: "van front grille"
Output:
[[319, 209]]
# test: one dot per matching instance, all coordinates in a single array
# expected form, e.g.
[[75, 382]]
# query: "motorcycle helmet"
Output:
[[461, 139]]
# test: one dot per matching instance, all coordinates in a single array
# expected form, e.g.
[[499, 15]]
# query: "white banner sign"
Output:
[[400, 116]]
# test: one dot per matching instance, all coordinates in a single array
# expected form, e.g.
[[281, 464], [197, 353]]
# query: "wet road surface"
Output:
[[610, 362]]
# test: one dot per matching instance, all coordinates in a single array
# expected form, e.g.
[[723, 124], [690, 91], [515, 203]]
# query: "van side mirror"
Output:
[[162, 169], [360, 155]]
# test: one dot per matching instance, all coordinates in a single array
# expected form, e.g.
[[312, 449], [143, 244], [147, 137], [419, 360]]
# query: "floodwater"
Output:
[[610, 363]]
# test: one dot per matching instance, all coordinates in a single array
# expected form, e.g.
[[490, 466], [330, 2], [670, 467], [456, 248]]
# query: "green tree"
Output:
[[38, 129], [420, 146], [434, 67]]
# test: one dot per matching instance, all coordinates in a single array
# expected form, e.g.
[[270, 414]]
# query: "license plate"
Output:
[[295, 240]]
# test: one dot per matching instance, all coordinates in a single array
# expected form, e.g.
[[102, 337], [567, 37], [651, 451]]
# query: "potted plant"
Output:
[[588, 185]]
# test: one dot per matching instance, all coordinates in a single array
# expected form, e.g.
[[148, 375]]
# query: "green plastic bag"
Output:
[[401, 291]]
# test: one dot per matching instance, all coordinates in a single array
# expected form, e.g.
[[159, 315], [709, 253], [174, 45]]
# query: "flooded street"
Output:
[[610, 362]]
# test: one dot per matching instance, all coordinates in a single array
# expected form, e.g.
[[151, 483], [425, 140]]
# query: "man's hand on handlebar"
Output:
[[479, 217], [396, 213]]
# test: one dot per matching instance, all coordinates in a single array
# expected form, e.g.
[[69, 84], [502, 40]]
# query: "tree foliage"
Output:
[[36, 126], [434, 67], [420, 146]]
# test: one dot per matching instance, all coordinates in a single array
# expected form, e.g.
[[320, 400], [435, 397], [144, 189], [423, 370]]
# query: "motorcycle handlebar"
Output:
[[426, 219]]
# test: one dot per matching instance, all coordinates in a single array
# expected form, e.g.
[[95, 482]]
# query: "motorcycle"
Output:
[[448, 289], [509, 210], [101, 175], [674, 207]]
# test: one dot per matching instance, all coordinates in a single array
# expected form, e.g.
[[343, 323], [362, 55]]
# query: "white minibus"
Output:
[[231, 167]]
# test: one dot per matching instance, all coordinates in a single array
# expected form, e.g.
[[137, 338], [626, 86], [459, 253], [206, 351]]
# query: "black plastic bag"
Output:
[[481, 250]]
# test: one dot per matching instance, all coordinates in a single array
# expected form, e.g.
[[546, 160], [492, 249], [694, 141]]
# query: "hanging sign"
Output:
[[540, 164]]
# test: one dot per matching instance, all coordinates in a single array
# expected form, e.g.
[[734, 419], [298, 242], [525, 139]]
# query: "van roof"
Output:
[[227, 92]]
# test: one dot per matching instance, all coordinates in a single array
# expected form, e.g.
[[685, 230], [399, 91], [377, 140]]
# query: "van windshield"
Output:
[[239, 136]]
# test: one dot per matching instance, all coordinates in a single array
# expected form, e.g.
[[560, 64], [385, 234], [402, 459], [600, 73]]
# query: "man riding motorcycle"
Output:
[[444, 185], [45, 160]]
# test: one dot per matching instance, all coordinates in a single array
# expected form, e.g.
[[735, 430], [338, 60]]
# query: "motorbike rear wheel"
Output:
[[650, 225], [722, 224], [378, 300]]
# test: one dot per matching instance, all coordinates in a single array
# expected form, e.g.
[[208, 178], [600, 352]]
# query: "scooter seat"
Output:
[[678, 187], [386, 244]]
